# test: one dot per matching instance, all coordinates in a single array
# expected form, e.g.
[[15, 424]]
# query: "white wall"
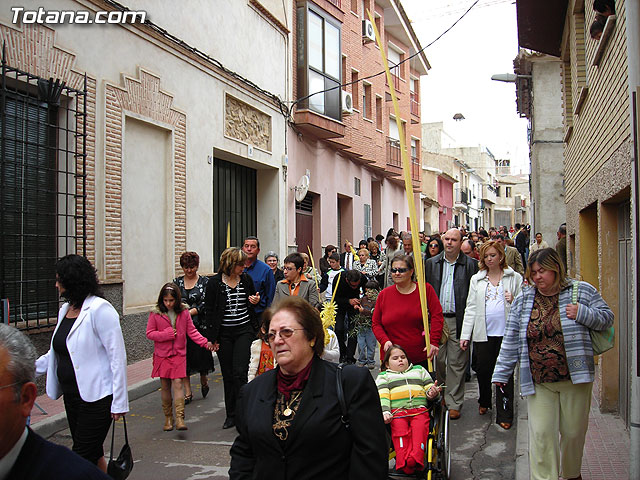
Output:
[[147, 212]]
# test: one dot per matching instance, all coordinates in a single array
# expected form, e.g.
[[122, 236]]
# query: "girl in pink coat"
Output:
[[168, 326]]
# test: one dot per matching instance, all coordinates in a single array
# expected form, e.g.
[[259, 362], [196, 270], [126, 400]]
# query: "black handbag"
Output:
[[121, 467]]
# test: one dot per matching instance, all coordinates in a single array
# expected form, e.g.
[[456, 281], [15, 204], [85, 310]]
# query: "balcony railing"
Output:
[[415, 169], [393, 153], [336, 3], [415, 105], [396, 79]]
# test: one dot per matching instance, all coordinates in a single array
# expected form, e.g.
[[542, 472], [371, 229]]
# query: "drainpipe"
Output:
[[633, 54]]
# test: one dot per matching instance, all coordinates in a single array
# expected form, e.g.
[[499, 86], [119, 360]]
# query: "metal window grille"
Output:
[[42, 190], [367, 220]]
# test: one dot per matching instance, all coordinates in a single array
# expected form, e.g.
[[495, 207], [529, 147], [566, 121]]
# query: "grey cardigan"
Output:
[[307, 290], [593, 313]]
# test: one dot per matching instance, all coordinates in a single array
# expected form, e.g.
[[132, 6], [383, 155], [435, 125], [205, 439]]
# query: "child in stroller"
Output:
[[404, 390]]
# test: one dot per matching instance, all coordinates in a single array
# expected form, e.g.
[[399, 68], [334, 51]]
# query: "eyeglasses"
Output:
[[398, 270], [433, 245], [284, 334], [10, 385], [289, 269]]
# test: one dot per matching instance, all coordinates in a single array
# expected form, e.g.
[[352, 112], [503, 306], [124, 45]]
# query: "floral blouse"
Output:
[[545, 339], [370, 267], [194, 297]]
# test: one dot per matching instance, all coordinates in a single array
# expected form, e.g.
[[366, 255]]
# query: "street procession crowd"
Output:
[[296, 343]]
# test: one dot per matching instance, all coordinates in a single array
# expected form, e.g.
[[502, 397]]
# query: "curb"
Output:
[[58, 422], [522, 440]]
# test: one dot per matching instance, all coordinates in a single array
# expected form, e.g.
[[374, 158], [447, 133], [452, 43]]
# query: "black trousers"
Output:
[[234, 354], [89, 423], [486, 356], [347, 344]]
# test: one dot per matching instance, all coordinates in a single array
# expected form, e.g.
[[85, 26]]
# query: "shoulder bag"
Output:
[[601, 340], [120, 468]]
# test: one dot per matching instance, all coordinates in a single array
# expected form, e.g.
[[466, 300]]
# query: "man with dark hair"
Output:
[[521, 239], [605, 7], [561, 246], [449, 273], [261, 274], [23, 453], [512, 256], [347, 296]]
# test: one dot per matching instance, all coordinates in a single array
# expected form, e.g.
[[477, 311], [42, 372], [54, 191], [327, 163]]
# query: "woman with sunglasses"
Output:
[[434, 247], [397, 317], [229, 305], [290, 418]]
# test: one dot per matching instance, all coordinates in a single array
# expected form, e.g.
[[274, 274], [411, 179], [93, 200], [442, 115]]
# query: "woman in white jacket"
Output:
[[86, 362], [491, 292]]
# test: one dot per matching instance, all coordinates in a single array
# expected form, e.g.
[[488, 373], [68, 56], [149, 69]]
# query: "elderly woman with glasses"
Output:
[[397, 317], [290, 419], [229, 305], [271, 259]]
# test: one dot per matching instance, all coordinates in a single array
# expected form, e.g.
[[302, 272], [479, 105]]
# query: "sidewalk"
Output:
[[139, 383], [606, 449]]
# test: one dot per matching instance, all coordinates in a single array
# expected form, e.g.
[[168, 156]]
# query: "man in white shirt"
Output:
[[24, 454]]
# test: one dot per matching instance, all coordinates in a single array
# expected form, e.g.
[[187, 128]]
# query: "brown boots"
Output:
[[180, 425], [167, 408]]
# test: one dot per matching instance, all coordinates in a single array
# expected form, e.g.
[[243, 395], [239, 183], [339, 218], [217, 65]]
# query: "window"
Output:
[[354, 90], [497, 191], [41, 197], [366, 101], [354, 6], [414, 148], [378, 112], [394, 60], [356, 186], [319, 62], [507, 192], [367, 221]]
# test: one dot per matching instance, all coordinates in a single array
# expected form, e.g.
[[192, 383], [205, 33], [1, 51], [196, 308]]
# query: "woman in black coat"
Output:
[[229, 305], [289, 419]]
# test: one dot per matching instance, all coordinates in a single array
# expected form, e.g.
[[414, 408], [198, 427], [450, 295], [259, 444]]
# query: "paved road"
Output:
[[481, 450]]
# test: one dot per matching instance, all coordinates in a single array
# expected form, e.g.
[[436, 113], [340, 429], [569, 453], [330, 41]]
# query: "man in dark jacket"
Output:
[[23, 453], [449, 273], [347, 297], [521, 240]]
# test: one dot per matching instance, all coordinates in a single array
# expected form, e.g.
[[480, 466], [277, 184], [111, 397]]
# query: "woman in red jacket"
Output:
[[168, 327], [397, 316]]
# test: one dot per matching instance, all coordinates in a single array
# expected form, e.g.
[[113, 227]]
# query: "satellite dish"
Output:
[[302, 188]]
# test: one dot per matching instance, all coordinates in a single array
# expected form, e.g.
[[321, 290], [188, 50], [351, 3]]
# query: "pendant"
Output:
[[287, 412]]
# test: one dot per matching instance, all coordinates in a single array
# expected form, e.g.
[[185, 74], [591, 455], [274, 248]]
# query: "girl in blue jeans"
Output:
[[361, 325]]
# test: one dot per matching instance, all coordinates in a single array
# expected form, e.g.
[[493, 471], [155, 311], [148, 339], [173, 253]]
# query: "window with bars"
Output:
[[42, 142], [367, 221]]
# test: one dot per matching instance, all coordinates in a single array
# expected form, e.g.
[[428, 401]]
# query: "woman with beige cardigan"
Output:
[[491, 292]]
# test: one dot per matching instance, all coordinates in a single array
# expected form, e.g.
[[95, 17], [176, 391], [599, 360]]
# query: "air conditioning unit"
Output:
[[347, 103], [368, 34]]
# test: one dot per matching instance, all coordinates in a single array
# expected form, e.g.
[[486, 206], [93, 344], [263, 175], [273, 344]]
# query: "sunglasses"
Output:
[[433, 245], [398, 270], [284, 334]]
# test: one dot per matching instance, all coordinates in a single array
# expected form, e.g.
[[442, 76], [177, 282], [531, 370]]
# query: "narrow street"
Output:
[[480, 449]]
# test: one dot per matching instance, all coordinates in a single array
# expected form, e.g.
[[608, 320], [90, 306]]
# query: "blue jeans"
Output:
[[367, 347]]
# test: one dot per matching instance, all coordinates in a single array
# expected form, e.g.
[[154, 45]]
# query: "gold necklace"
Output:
[[287, 411]]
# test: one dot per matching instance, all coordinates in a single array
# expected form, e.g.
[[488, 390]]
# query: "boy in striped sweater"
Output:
[[404, 390]]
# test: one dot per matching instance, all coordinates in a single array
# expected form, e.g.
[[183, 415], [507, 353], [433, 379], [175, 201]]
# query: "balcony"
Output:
[[415, 105], [396, 80], [489, 193], [416, 170], [337, 3], [394, 158], [462, 196]]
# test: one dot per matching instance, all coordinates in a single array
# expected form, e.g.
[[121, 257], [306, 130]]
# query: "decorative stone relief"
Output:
[[247, 124]]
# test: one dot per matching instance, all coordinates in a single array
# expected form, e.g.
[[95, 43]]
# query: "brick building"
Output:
[[131, 143], [350, 154]]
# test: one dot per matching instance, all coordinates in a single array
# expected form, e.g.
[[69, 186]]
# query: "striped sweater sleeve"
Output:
[[383, 391]]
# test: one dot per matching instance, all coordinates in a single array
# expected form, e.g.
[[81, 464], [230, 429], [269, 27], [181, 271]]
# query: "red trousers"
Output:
[[409, 433]]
